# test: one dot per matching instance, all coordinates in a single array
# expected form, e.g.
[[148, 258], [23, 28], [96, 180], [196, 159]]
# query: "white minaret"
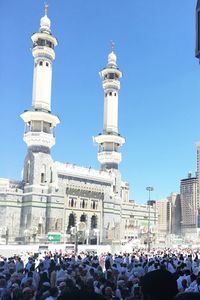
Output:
[[39, 120], [110, 140]]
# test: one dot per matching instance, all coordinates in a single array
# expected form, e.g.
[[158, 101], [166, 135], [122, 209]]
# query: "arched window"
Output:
[[28, 172], [94, 222], [83, 218], [51, 175], [83, 203], [72, 204], [71, 222], [93, 204], [43, 174], [41, 63]]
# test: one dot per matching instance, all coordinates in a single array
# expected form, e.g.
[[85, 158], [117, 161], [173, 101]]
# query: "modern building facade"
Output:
[[54, 196], [188, 192], [169, 215]]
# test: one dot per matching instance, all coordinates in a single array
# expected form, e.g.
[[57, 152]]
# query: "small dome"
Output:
[[112, 59], [45, 24]]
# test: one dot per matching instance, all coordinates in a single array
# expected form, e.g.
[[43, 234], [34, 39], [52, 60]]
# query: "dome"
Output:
[[45, 24], [112, 59]]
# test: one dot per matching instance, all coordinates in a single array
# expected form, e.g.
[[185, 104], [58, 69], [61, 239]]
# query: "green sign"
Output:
[[178, 242], [54, 237]]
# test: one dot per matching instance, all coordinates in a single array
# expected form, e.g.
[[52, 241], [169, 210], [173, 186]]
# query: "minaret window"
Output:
[[111, 76], [110, 93], [49, 44], [41, 42], [51, 175], [47, 64], [46, 127], [43, 174], [41, 63], [28, 171]]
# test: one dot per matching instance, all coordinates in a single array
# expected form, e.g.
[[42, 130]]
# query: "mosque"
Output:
[[58, 197]]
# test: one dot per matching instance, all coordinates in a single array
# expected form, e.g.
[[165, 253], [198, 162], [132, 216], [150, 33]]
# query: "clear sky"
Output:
[[159, 102]]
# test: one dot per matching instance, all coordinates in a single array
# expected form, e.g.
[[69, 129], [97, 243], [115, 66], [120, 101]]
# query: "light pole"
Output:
[[149, 189], [76, 241]]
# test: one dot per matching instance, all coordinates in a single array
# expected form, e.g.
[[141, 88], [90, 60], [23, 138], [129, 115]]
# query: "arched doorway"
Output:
[[71, 222], [93, 239]]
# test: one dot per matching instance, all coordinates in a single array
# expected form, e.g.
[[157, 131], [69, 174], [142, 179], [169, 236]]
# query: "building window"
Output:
[[94, 205], [72, 202], [94, 222], [71, 222], [83, 203], [47, 64], [51, 175], [41, 63], [83, 218], [110, 93], [43, 174], [28, 172], [42, 177]]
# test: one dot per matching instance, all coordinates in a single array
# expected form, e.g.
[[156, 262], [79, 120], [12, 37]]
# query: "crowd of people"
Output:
[[156, 275]]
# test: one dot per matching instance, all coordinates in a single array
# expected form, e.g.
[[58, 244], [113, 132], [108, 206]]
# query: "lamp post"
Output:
[[76, 241], [149, 189]]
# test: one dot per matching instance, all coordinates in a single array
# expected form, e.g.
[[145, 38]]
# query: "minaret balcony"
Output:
[[109, 157], [33, 115], [44, 36], [111, 84], [109, 138], [107, 70], [40, 138], [43, 51]]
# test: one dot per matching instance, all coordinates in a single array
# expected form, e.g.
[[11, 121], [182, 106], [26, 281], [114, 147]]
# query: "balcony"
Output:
[[109, 157], [39, 139]]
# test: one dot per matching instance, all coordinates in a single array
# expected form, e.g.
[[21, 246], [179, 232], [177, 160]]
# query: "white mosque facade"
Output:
[[56, 197]]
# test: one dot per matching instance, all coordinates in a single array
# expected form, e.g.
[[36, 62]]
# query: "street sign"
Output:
[[54, 237]]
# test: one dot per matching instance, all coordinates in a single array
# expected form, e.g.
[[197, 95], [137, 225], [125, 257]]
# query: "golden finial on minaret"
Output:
[[112, 46], [45, 9]]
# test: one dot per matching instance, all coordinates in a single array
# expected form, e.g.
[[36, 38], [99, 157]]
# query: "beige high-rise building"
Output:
[[169, 215]]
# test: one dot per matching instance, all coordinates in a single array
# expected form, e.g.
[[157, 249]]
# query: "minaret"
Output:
[[110, 140], [39, 121]]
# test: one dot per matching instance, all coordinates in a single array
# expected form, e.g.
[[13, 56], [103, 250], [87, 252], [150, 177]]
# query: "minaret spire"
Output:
[[46, 9], [113, 46], [110, 140]]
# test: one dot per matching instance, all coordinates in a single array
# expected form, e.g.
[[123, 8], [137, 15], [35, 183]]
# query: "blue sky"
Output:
[[159, 103]]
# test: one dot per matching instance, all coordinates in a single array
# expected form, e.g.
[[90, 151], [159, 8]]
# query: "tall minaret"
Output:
[[110, 140], [39, 121]]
